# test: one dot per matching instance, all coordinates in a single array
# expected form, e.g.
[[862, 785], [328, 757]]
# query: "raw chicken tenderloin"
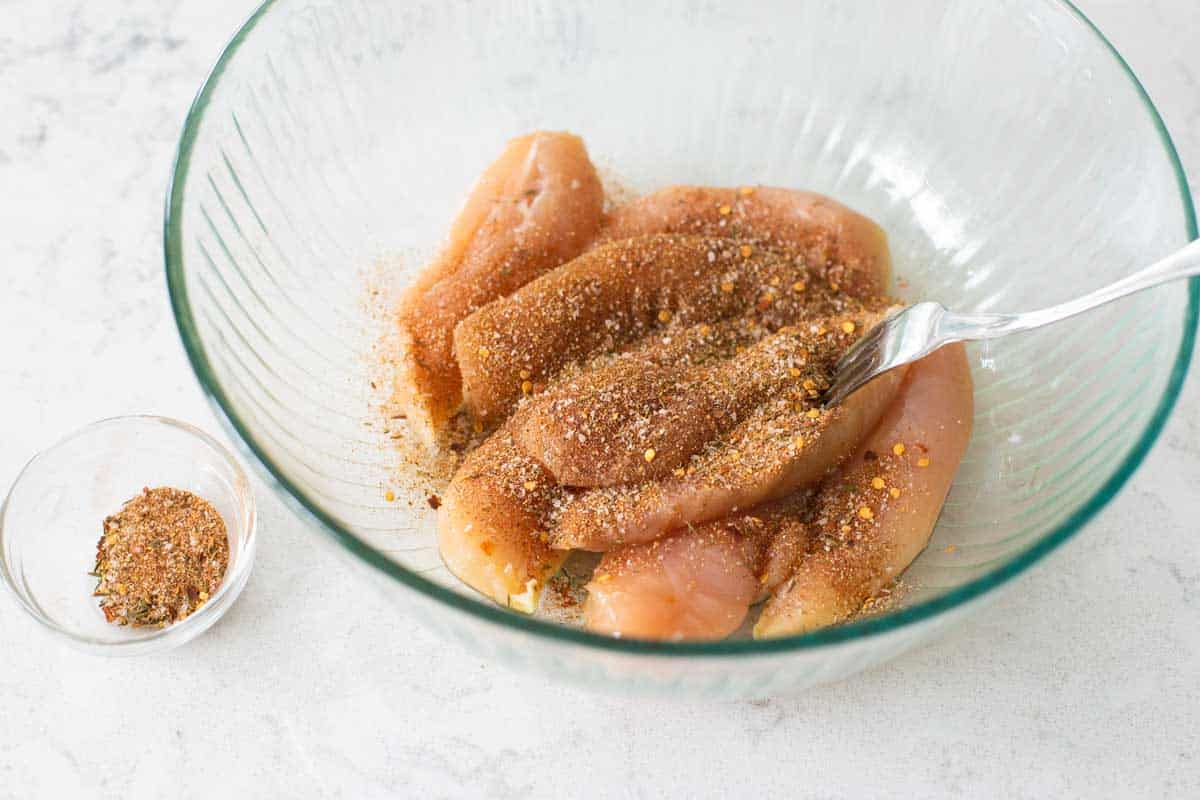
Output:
[[875, 515], [619, 293], [700, 582], [670, 411], [779, 449], [697, 583], [489, 522], [492, 532], [502, 505], [492, 522], [537, 206], [842, 245]]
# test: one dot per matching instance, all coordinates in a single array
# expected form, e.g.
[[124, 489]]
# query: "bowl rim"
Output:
[[494, 614], [232, 583]]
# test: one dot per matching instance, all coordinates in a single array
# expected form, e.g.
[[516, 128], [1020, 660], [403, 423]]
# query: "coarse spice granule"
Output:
[[160, 558]]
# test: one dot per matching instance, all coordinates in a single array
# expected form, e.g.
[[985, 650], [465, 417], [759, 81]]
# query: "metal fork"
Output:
[[916, 331]]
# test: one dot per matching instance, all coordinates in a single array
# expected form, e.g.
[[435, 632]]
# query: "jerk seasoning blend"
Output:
[[160, 558]]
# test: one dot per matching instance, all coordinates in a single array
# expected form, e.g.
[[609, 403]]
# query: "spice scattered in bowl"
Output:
[[160, 558]]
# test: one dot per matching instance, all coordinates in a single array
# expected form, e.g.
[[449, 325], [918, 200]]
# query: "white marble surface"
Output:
[[1084, 680]]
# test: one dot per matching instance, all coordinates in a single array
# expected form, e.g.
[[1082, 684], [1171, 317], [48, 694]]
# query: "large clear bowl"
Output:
[[1006, 147]]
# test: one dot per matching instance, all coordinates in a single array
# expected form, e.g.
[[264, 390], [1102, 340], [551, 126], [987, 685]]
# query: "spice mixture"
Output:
[[160, 558]]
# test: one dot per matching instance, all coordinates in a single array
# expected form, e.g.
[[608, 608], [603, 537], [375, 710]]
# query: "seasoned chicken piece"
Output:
[[620, 293], [781, 447], [494, 515], [875, 515], [616, 320], [504, 494], [502, 502], [490, 520], [829, 555], [843, 246], [535, 208], [697, 583], [643, 418]]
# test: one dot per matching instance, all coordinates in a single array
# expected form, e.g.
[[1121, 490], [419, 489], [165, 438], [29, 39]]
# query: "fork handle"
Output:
[[1183, 263]]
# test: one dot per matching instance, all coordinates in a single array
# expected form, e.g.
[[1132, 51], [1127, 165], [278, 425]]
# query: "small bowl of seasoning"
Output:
[[132, 535]]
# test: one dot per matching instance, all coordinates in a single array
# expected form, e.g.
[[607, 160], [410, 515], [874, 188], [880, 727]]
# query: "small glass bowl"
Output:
[[51, 521]]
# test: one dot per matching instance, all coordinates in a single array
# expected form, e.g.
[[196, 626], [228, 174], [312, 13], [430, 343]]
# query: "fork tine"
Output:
[[901, 338], [867, 342], [847, 383], [845, 386], [859, 364], [847, 380], [860, 352], [855, 356]]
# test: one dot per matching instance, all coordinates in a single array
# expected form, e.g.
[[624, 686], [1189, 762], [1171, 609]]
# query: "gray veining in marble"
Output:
[[1082, 680]]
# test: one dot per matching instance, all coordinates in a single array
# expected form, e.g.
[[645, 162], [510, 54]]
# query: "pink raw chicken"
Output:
[[538, 205], [823, 558]]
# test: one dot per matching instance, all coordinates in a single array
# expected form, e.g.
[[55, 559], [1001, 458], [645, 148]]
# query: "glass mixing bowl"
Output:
[[1006, 147]]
